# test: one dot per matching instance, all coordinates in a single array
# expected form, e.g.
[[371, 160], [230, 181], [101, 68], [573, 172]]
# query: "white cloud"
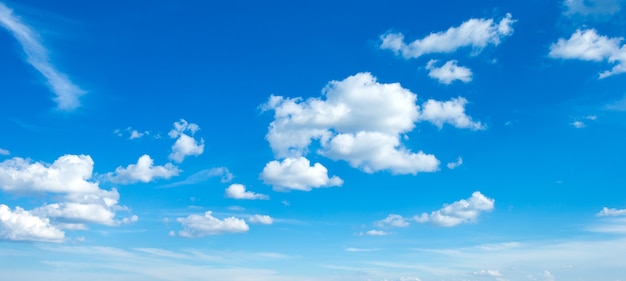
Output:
[[451, 112], [448, 72], [143, 171], [619, 105], [592, 7], [488, 272], [79, 200], [297, 173], [578, 124], [462, 211], [21, 225], [374, 232], [611, 212], [360, 120], [66, 92], [69, 173], [203, 225], [455, 164], [4, 152], [392, 220], [475, 33], [589, 46], [238, 191], [374, 151], [261, 219], [185, 145]]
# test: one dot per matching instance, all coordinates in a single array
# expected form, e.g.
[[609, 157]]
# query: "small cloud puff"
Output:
[[238, 191]]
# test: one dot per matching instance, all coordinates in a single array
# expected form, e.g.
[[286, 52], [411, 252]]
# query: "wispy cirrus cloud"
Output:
[[67, 93]]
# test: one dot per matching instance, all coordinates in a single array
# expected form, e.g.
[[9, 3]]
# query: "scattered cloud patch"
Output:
[[261, 219], [185, 144], [297, 174], [67, 93], [360, 121], [488, 272], [21, 225], [587, 45], [462, 211], [455, 164], [374, 232], [203, 225], [449, 72], [143, 171], [611, 212], [392, 220], [238, 191], [451, 112], [619, 105], [131, 133], [204, 175], [578, 124], [4, 152], [474, 33], [592, 7], [360, 250]]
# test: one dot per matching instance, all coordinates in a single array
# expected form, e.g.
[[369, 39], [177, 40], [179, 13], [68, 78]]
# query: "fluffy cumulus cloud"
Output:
[[261, 219], [592, 7], [69, 173], [392, 220], [450, 112], [185, 144], [4, 152], [361, 121], [238, 191], [474, 33], [462, 211], [80, 201], [143, 171], [203, 225], [66, 92], [448, 72], [588, 45], [21, 225], [297, 174]]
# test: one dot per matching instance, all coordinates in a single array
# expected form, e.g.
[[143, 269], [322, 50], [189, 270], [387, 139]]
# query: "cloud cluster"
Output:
[[203, 225], [392, 220], [66, 92], [475, 33], [462, 211], [448, 72], [185, 144], [4, 152], [358, 120], [588, 45], [80, 201], [143, 171], [238, 191]]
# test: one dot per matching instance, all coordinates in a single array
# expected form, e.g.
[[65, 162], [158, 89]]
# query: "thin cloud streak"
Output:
[[66, 92]]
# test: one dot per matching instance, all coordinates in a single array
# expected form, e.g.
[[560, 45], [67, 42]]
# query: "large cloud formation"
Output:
[[80, 201], [358, 120]]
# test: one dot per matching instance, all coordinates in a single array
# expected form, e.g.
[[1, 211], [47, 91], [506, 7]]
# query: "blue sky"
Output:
[[457, 140]]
